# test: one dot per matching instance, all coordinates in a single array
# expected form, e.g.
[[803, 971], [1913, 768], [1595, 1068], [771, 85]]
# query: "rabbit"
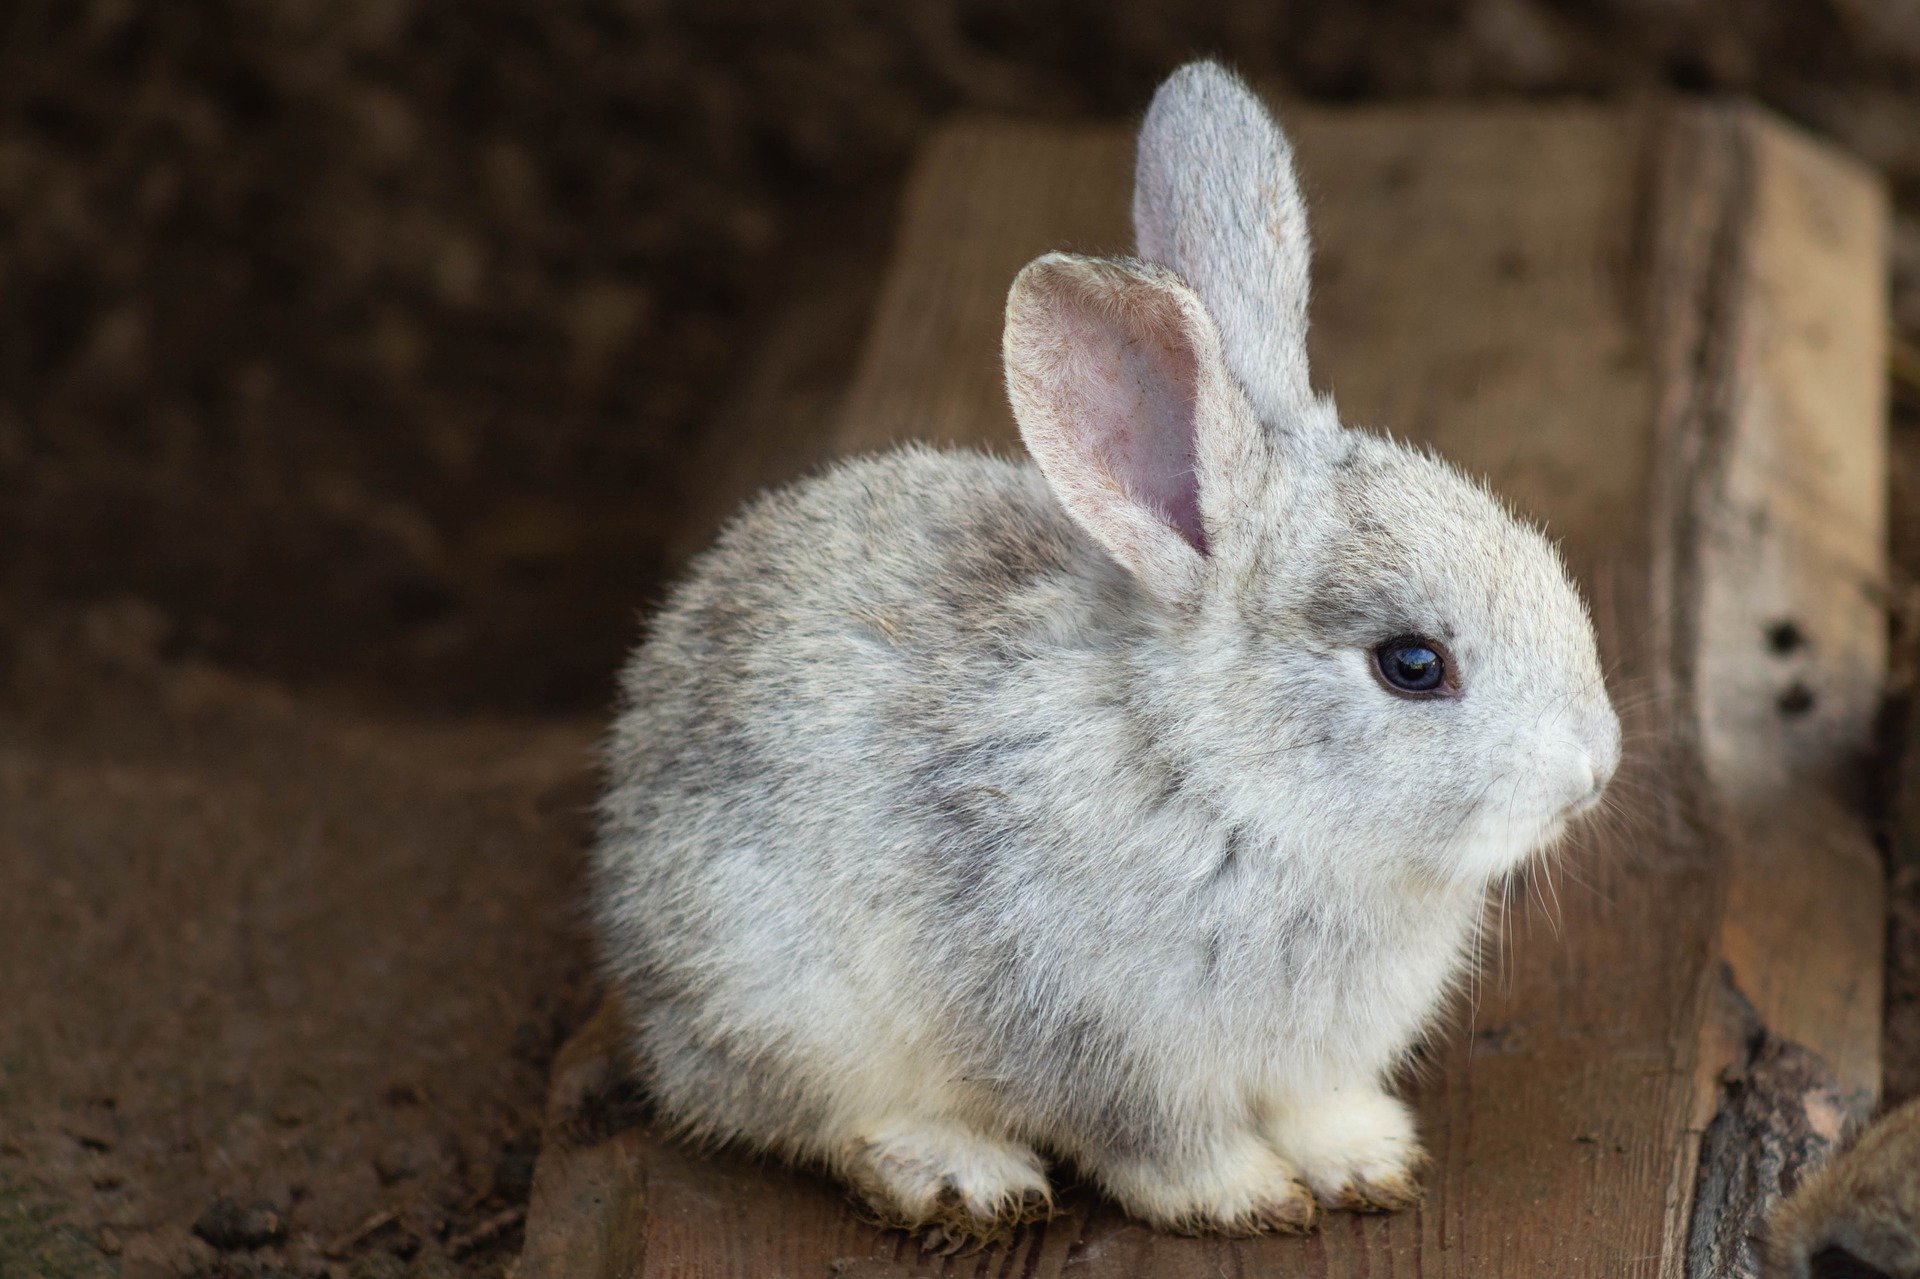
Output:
[[1134, 806], [1859, 1215]]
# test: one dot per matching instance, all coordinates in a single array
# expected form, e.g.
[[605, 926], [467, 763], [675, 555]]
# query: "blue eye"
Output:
[[1413, 665]]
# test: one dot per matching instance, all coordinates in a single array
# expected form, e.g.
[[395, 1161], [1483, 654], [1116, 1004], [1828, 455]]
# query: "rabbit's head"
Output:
[[1350, 639]]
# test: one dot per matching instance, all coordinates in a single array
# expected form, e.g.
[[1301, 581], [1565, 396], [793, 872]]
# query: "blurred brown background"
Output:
[[351, 357], [361, 339]]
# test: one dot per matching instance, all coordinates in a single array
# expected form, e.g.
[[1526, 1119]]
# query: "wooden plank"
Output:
[[1790, 652], [1659, 330]]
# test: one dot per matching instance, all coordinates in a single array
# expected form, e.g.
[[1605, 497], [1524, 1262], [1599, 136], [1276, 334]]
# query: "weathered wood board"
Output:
[[1660, 329]]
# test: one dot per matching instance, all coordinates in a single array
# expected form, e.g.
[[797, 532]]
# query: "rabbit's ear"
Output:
[[1216, 202], [1118, 385]]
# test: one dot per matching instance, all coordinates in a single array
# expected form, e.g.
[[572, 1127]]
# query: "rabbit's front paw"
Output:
[[1236, 1186], [955, 1184], [1357, 1150]]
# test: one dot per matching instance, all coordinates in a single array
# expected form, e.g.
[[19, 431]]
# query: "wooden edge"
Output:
[[1787, 491], [572, 1228]]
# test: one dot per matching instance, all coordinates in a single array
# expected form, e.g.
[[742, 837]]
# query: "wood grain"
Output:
[[1659, 331]]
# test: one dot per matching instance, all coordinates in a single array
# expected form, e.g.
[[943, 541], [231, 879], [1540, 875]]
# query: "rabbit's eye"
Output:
[[1415, 666]]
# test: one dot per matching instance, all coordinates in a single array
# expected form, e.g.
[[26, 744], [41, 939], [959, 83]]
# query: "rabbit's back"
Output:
[[834, 622], [787, 832]]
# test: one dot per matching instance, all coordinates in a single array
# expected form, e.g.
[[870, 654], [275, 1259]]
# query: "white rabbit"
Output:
[[1137, 809]]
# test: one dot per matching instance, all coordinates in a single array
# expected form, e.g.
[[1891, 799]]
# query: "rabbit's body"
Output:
[[1037, 920], [964, 809]]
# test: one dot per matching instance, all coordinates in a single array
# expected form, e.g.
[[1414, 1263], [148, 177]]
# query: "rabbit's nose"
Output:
[[1596, 787], [1601, 746], [1595, 762], [1597, 769]]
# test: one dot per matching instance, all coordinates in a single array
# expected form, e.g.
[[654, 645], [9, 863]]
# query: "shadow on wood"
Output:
[[1661, 332]]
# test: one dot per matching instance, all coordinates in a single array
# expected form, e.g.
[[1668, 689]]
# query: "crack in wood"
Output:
[[1782, 1113]]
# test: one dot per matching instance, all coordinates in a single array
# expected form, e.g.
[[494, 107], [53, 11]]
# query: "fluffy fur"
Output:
[[964, 813]]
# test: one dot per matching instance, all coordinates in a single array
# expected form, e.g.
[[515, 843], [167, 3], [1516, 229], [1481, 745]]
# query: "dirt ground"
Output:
[[257, 950], [354, 356]]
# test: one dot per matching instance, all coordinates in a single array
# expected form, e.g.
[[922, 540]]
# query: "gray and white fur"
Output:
[[965, 813]]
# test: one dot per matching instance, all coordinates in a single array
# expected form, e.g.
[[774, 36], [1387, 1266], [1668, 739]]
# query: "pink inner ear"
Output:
[[1137, 409]]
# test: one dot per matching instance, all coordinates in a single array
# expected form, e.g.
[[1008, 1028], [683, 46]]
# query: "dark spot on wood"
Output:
[[1512, 264], [1795, 700], [1785, 636]]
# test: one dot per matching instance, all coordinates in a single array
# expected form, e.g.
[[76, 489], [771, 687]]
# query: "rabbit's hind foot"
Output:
[[951, 1185], [1356, 1149], [1235, 1184]]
